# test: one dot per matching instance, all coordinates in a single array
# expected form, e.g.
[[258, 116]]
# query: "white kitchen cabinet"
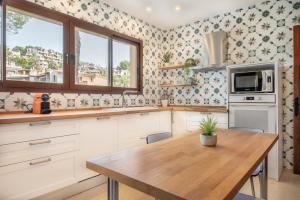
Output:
[[194, 119], [98, 137], [133, 129], [20, 132], [179, 124], [28, 150], [29, 179], [188, 121], [165, 119]]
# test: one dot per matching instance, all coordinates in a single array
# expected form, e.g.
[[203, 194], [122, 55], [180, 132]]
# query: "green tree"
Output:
[[124, 65], [22, 50], [52, 65], [15, 21]]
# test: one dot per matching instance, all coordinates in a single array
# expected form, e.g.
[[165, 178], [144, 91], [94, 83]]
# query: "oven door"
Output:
[[247, 82], [261, 116]]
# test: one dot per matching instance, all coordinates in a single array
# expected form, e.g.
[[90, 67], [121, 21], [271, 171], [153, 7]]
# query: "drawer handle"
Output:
[[145, 113], [39, 123], [206, 113], [101, 118], [40, 142], [40, 162]]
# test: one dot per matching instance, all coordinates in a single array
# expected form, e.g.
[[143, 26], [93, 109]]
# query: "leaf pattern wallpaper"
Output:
[[258, 33]]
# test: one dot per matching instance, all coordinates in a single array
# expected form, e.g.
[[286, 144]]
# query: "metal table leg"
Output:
[[112, 189], [264, 182]]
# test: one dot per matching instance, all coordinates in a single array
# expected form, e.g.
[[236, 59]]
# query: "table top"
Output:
[[181, 168]]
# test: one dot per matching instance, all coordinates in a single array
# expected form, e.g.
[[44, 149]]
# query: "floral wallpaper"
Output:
[[258, 33]]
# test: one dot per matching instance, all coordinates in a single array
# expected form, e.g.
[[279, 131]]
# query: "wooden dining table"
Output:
[[181, 168]]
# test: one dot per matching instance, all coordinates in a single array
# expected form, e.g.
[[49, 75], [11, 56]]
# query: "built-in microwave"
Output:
[[260, 81]]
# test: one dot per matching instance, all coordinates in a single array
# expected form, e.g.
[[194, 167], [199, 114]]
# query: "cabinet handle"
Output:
[[146, 113], [40, 142], [39, 123], [40, 162], [206, 113], [104, 117]]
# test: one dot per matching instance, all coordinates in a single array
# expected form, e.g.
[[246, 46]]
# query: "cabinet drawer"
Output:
[[20, 132], [32, 178], [23, 151], [198, 117]]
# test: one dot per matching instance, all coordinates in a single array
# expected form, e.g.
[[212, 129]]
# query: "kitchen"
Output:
[[233, 62]]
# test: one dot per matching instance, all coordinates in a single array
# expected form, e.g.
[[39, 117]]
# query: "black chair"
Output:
[[259, 169], [157, 137]]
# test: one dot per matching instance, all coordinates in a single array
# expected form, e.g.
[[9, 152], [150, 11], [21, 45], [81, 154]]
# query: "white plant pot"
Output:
[[208, 140], [164, 103]]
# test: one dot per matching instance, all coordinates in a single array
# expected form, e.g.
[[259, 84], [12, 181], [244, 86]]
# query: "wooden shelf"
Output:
[[206, 69], [176, 85], [172, 67]]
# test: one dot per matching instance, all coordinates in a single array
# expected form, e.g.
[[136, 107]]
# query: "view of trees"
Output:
[[19, 55], [15, 21]]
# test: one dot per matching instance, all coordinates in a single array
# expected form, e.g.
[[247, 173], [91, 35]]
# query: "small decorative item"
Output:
[[167, 57], [191, 62], [164, 98], [208, 136], [189, 76]]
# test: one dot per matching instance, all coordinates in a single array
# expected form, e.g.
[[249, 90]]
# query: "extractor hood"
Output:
[[216, 48]]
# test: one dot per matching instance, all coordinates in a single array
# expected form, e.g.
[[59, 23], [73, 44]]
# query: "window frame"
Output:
[[69, 24], [43, 12]]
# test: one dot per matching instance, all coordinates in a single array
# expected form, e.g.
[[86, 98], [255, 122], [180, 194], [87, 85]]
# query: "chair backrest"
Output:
[[257, 130], [157, 137]]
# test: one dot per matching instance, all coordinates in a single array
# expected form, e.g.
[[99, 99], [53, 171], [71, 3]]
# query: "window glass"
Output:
[[124, 64], [91, 63], [34, 48]]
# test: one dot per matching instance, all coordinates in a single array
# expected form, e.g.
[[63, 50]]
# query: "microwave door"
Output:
[[246, 82]]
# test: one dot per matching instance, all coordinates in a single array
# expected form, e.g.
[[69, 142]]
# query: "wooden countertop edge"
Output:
[[134, 183], [239, 186], [45, 117]]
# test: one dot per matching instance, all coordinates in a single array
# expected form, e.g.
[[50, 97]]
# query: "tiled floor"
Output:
[[287, 189]]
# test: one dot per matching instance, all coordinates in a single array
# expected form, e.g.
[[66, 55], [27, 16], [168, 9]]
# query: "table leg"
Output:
[[264, 182], [112, 189]]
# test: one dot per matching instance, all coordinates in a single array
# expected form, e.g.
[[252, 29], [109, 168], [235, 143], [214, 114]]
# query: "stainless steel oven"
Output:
[[252, 81]]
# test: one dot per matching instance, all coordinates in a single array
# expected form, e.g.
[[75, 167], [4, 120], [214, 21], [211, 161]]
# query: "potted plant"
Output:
[[189, 76], [164, 99], [167, 57], [190, 62], [207, 128]]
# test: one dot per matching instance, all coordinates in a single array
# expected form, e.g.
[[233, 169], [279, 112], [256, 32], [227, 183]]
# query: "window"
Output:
[[34, 48], [125, 64], [91, 54], [45, 50]]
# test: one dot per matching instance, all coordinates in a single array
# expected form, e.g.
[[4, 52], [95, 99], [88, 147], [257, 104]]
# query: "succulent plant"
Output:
[[208, 126], [191, 62], [167, 57]]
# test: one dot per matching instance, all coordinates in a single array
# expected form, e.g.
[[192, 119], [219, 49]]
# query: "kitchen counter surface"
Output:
[[8, 118]]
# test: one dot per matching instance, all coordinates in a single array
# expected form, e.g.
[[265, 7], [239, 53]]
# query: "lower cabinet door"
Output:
[[98, 137], [32, 178]]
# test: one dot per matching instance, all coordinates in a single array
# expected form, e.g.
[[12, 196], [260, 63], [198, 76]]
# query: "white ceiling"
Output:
[[164, 15]]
